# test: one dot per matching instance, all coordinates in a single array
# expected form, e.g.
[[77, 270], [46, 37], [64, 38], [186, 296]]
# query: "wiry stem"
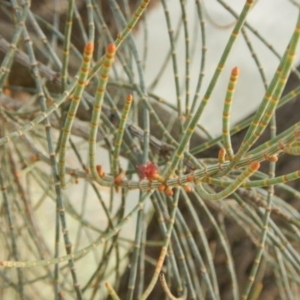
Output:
[[82, 82], [103, 78]]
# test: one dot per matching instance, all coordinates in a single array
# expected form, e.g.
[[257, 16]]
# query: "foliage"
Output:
[[114, 173]]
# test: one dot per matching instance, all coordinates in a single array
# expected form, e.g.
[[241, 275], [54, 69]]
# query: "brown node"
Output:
[[62, 294], [34, 158], [281, 145], [271, 158], [297, 133], [74, 176], [49, 101], [17, 174], [3, 263], [6, 90]]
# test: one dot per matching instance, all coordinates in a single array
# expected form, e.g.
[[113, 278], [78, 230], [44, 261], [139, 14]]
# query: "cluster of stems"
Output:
[[162, 171]]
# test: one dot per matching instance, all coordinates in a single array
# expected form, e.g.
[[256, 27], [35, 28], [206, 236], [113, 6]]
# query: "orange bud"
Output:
[[111, 48], [89, 48], [255, 165], [100, 171], [221, 155], [169, 191], [235, 71], [187, 188], [161, 187], [149, 171], [119, 178], [190, 178]]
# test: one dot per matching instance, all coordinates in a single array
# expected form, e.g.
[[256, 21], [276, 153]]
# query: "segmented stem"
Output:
[[111, 291], [8, 59], [120, 133], [164, 249], [80, 253], [254, 183], [103, 78], [177, 155], [243, 124], [226, 112], [232, 187], [7, 203], [292, 149], [67, 43], [167, 290], [82, 82], [122, 36], [265, 229], [41, 116], [270, 100]]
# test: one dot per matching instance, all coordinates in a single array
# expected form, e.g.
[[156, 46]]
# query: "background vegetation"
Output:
[[110, 191]]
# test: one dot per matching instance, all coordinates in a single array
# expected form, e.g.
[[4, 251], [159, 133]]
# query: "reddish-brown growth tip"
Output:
[[129, 97], [89, 48], [255, 165], [221, 155], [111, 48], [235, 71], [222, 151], [34, 158]]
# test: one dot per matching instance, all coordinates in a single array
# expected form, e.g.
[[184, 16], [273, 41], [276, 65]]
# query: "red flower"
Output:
[[149, 171]]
